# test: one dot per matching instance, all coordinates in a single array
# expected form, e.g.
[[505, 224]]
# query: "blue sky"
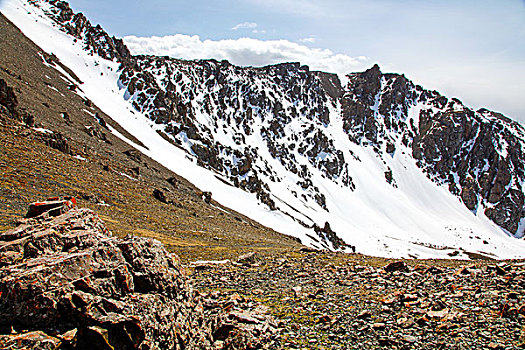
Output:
[[471, 49]]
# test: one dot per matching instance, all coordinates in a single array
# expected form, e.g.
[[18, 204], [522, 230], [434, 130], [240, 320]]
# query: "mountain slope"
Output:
[[51, 144], [378, 162]]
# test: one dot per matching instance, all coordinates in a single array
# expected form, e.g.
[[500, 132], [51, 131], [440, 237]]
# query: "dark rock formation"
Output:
[[206, 196], [397, 266], [57, 141], [134, 154], [96, 40], [51, 207], [388, 176], [8, 97], [159, 195], [328, 235], [486, 154]]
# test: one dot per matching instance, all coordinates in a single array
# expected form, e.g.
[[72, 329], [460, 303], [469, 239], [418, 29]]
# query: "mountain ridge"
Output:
[[210, 109]]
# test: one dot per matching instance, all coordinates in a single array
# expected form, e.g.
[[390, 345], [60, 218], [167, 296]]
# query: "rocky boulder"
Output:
[[7, 97], [51, 207], [65, 282]]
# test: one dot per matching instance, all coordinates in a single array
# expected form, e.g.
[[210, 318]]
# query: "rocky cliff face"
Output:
[[95, 39], [65, 282], [285, 127], [478, 154]]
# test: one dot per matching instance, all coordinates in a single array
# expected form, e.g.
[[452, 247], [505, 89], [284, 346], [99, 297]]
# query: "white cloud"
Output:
[[487, 84], [245, 25], [309, 40], [247, 52]]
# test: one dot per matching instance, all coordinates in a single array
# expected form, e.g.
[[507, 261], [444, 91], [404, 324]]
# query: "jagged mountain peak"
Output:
[[386, 165]]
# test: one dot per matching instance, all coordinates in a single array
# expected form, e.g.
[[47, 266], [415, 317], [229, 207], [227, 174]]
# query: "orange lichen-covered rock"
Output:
[[52, 206]]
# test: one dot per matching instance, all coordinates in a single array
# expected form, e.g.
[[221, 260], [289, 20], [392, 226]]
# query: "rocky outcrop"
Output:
[[65, 282], [95, 39], [7, 97], [9, 105], [328, 235], [57, 141], [484, 151], [51, 207]]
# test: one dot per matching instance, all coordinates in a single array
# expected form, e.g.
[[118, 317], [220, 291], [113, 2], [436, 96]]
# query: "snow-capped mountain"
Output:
[[372, 162]]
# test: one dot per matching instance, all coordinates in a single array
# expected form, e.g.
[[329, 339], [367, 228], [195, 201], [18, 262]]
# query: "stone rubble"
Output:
[[328, 300]]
